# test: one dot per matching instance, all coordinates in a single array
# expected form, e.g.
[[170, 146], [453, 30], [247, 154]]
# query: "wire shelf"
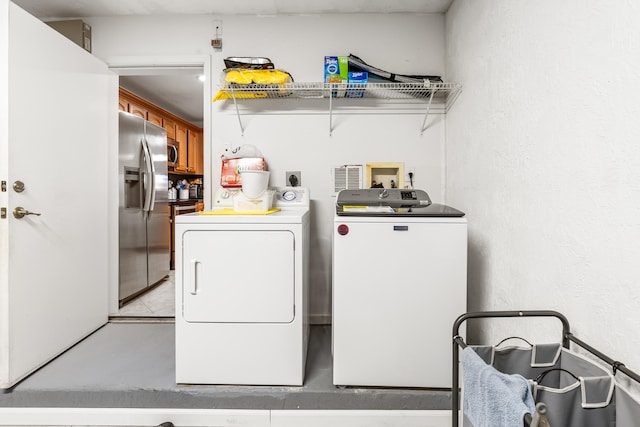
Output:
[[426, 93], [440, 91]]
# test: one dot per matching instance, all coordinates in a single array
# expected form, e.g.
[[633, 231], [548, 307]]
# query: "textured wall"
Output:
[[543, 152]]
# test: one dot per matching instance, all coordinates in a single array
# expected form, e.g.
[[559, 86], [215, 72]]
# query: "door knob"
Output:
[[20, 212], [18, 186]]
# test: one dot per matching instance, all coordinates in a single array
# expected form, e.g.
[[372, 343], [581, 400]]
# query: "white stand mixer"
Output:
[[255, 195]]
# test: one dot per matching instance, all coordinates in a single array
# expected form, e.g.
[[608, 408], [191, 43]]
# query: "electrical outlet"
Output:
[[293, 178]]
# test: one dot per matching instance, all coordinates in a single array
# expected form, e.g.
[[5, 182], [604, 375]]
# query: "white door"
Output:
[[54, 123]]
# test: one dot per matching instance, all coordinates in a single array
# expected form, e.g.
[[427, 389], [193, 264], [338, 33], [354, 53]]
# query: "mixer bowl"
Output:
[[254, 183]]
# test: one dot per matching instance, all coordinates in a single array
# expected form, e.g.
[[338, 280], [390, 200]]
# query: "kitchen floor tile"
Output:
[[157, 302]]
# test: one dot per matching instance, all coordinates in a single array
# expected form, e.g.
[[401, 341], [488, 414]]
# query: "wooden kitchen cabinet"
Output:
[[170, 126], [137, 110], [154, 118], [181, 140], [128, 103], [195, 152]]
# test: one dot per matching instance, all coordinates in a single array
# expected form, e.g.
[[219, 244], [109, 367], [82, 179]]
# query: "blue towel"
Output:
[[491, 398]]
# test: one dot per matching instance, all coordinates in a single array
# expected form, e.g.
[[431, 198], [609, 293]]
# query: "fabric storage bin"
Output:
[[572, 389], [576, 391]]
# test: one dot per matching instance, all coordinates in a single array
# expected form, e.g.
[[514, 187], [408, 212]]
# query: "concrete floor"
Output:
[[132, 365]]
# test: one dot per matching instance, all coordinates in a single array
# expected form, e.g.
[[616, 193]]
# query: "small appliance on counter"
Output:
[[244, 181], [195, 191], [255, 194]]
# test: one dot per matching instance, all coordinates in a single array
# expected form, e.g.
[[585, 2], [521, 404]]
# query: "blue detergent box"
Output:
[[357, 83]]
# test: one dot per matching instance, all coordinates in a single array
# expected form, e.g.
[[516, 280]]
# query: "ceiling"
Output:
[[178, 91], [57, 9]]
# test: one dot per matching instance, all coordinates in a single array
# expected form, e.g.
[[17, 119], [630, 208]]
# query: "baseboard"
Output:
[[357, 418], [222, 417]]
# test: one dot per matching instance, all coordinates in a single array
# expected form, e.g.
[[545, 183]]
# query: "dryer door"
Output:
[[238, 276]]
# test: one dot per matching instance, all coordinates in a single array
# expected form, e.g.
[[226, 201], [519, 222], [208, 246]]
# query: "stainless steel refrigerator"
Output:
[[143, 215]]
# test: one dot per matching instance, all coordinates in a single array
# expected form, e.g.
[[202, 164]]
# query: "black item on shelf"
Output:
[[249, 62], [356, 65]]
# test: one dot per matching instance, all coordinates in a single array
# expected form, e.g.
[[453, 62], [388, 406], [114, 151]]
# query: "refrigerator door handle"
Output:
[[153, 176], [149, 178]]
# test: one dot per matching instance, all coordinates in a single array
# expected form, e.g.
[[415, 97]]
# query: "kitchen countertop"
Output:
[[181, 202]]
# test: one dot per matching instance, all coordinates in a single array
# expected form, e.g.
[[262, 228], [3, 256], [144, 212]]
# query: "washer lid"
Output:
[[392, 197], [390, 202], [433, 210]]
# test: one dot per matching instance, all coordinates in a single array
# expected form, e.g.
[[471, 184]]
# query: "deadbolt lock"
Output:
[[18, 186]]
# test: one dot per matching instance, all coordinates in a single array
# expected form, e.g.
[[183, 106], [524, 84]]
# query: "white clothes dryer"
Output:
[[241, 292]]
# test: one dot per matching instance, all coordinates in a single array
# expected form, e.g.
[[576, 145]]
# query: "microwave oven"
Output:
[[172, 153]]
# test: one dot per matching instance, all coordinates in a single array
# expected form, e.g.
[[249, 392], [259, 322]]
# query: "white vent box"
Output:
[[348, 177]]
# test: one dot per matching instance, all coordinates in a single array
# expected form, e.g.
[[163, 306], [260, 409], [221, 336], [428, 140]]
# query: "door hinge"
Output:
[[4, 186], [3, 213]]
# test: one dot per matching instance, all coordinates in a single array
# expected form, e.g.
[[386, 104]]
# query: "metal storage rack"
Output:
[[426, 94]]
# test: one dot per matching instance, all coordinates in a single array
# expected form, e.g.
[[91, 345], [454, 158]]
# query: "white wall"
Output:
[[543, 154], [291, 139]]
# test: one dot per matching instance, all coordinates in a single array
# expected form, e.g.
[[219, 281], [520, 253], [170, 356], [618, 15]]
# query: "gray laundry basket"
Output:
[[576, 391]]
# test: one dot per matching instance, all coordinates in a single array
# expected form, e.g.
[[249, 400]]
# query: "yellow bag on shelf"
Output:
[[262, 77], [245, 77], [226, 94]]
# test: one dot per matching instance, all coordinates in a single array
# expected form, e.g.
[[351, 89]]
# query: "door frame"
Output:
[[149, 66]]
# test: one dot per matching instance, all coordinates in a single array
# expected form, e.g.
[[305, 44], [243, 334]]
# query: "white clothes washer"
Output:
[[241, 293], [399, 283]]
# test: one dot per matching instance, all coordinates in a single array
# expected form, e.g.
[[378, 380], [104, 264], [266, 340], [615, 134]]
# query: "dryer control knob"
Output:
[[289, 196]]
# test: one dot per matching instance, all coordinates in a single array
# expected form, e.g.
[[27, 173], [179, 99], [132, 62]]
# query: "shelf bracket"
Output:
[[235, 103], [426, 114], [330, 114]]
